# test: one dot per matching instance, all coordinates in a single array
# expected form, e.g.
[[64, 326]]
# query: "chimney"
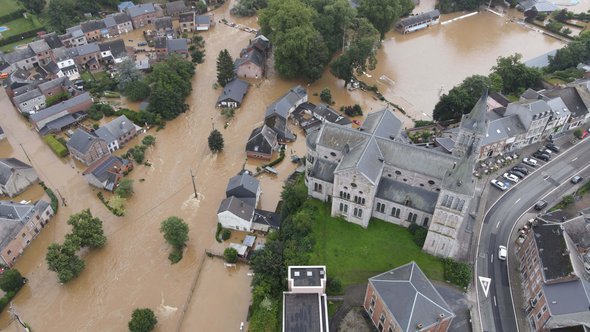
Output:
[[419, 325]]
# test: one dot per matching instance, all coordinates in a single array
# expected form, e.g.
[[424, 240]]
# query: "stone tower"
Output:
[[473, 128]]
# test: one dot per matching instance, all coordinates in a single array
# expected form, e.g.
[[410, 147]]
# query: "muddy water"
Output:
[[133, 270]]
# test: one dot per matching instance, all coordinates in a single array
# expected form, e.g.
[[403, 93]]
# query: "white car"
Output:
[[499, 184], [531, 162], [510, 177], [502, 253]]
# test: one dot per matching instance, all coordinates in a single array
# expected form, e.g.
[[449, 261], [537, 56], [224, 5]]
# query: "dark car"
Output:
[[540, 205], [518, 174], [521, 169], [576, 179], [541, 156], [553, 147]]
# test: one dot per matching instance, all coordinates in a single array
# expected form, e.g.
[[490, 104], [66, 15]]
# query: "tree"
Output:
[[293, 196], [142, 320], [137, 90], [125, 188], [215, 141], [88, 229], [11, 281], [247, 7], [326, 96], [225, 67], [127, 73], [332, 21], [36, 6], [228, 112], [354, 110], [197, 56], [63, 260], [171, 85], [516, 77], [230, 255], [61, 14], [117, 204], [383, 13], [573, 53], [578, 133], [175, 232], [149, 140]]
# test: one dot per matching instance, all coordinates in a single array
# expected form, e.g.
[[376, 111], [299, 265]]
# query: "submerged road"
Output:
[[497, 310]]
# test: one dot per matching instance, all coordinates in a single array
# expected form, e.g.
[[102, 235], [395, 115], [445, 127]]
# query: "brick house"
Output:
[[86, 147], [93, 30], [19, 225], [118, 24], [88, 56], [42, 50], [404, 300], [143, 14], [106, 172]]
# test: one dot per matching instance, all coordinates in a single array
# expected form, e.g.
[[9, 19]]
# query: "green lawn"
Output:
[[353, 254], [10, 47], [21, 25], [9, 6]]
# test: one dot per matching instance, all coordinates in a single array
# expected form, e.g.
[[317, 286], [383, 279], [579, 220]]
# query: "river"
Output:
[[132, 270]]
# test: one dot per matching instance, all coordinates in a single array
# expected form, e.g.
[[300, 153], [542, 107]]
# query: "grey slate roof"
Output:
[[160, 42], [18, 55], [366, 158], [243, 185], [262, 140], [186, 17], [254, 56], [121, 18], [124, 5], [13, 217], [62, 53], [119, 126], [433, 14], [39, 46], [571, 98], [117, 48], [526, 111], [105, 134], [52, 40], [8, 166], [503, 128], [267, 218], [27, 96], [474, 120], [235, 90], [446, 143], [109, 21], [324, 170], [50, 67], [328, 113], [287, 101], [105, 170], [401, 192], [92, 25], [176, 45], [141, 9], [55, 109], [237, 207], [87, 49], [410, 296], [566, 297], [175, 7], [60, 81], [162, 23], [202, 19], [81, 141], [382, 124]]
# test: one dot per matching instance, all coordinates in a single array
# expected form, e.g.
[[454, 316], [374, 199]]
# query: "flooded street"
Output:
[[133, 270]]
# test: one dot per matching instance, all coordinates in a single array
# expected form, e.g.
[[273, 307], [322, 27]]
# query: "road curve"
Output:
[[496, 309]]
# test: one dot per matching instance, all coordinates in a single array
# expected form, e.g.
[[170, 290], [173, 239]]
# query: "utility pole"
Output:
[[63, 200], [26, 154], [15, 316], [194, 185]]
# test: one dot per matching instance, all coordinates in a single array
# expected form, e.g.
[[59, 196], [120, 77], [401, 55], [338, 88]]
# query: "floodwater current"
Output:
[[132, 270]]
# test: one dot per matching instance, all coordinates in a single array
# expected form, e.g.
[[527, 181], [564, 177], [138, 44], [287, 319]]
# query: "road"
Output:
[[496, 309]]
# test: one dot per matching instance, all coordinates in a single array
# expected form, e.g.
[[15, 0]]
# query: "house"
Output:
[[305, 305], [24, 58], [279, 111], [160, 47], [118, 24], [537, 6], [164, 28], [19, 225], [418, 22], [73, 37], [94, 30], [50, 70], [59, 116], [117, 132], [88, 56], [52, 39], [64, 58], [113, 52], [15, 176], [143, 14], [555, 267], [262, 143], [106, 172], [233, 94], [572, 97], [260, 43], [265, 221], [86, 147], [177, 46], [29, 102], [42, 50], [175, 8], [33, 98], [245, 187], [187, 21], [236, 214], [404, 300], [250, 65], [203, 22], [124, 5], [362, 174]]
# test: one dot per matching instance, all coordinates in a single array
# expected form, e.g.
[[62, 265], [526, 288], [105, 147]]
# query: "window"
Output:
[[430, 182], [380, 207], [358, 212], [373, 301], [412, 217], [23, 235], [390, 329], [382, 318], [333, 154], [9, 252], [425, 222], [398, 173], [343, 207], [395, 212], [353, 185], [539, 315], [317, 187]]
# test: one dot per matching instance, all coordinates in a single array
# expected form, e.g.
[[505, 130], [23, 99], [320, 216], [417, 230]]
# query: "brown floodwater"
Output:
[[133, 270]]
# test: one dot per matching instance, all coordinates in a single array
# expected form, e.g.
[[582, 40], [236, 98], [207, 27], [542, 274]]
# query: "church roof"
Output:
[[475, 121]]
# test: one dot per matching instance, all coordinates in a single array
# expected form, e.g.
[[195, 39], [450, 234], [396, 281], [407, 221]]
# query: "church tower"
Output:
[[473, 128]]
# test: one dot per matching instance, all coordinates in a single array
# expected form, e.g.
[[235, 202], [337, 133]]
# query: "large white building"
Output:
[[373, 172]]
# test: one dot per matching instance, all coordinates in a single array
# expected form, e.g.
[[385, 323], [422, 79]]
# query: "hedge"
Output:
[[59, 149], [12, 16], [54, 201], [20, 36]]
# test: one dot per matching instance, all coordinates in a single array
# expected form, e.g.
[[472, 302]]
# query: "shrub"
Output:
[[226, 234], [420, 236], [326, 96], [175, 256], [578, 133], [218, 231], [230, 255], [354, 110], [59, 149], [148, 140], [457, 273], [422, 123], [142, 320], [333, 286], [11, 281], [52, 197]]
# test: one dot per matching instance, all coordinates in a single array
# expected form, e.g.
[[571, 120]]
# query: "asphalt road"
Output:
[[496, 309]]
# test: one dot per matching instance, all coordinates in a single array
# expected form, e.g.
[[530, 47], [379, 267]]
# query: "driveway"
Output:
[[458, 301]]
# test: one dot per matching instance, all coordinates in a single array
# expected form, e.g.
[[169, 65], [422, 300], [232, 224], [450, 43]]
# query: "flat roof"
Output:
[[307, 275], [302, 312]]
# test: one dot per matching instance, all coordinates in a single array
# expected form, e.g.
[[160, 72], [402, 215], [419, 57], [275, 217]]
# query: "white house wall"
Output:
[[230, 220]]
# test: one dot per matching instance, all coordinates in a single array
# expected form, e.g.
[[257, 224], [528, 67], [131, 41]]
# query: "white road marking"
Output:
[[495, 304], [575, 159], [485, 284], [492, 258], [498, 224], [518, 200]]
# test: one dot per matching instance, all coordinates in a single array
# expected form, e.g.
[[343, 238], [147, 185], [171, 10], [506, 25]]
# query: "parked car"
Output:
[[499, 184], [141, 44], [540, 205], [356, 122], [510, 177], [545, 151], [585, 134], [541, 156], [517, 173], [502, 253], [576, 179], [3, 76], [553, 147], [530, 161], [521, 169]]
